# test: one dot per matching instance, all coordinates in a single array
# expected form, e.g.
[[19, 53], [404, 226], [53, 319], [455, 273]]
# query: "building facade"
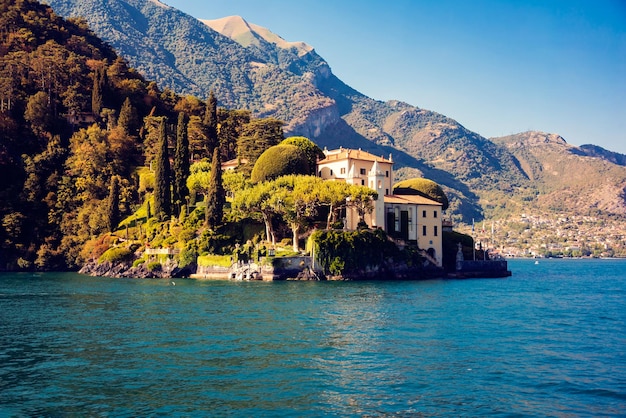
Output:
[[408, 218]]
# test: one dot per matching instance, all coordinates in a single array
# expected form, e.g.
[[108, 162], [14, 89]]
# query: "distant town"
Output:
[[550, 235]]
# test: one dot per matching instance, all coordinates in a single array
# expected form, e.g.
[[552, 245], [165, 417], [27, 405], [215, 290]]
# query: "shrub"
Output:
[[422, 187], [187, 256], [138, 262], [211, 260], [154, 266], [115, 255], [349, 252]]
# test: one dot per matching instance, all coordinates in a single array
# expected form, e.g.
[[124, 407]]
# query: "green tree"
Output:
[[97, 91], [162, 192], [210, 122], [422, 187], [259, 202], [296, 201], [216, 196], [280, 160], [113, 204], [128, 119], [333, 194], [181, 162], [199, 180], [231, 124], [311, 150], [361, 198], [38, 112], [257, 136]]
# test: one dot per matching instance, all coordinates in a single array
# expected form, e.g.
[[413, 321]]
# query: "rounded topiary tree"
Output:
[[422, 187], [312, 151], [279, 160]]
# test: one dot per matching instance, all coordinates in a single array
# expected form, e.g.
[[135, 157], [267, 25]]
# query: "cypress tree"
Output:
[[148, 211], [216, 195], [162, 193], [97, 91], [128, 119], [181, 161], [113, 204], [210, 122]]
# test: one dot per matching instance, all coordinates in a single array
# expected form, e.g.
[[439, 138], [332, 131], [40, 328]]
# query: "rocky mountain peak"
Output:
[[540, 138], [248, 34]]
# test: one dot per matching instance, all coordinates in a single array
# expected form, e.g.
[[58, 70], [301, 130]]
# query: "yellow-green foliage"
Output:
[[115, 255], [280, 160], [422, 187], [146, 179], [212, 260]]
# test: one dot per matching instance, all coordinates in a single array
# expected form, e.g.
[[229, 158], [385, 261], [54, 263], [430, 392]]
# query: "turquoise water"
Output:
[[548, 341]]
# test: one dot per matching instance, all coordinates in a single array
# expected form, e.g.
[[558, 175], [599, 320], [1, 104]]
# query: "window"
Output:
[[387, 173], [424, 230], [436, 230], [386, 192], [423, 214], [362, 182], [343, 170], [435, 214], [362, 171], [331, 172]]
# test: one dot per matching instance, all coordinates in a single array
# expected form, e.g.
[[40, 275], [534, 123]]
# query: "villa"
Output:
[[407, 218]]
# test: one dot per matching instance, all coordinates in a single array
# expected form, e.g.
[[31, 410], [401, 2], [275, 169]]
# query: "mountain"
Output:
[[596, 151], [568, 178], [248, 66]]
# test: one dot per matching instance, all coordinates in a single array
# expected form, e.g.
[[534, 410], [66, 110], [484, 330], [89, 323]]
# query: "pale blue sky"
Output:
[[497, 67]]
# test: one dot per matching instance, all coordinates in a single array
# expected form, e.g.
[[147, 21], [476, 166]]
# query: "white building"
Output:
[[410, 218]]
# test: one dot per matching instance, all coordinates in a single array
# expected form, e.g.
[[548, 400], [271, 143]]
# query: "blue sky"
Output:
[[497, 67]]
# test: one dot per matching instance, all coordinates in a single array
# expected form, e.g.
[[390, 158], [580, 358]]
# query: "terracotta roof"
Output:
[[345, 154], [410, 199]]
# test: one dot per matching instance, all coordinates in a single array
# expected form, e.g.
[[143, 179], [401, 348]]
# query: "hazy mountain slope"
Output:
[[596, 151], [566, 178]]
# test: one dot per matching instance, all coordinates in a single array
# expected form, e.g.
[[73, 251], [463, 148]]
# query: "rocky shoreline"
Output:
[[126, 270]]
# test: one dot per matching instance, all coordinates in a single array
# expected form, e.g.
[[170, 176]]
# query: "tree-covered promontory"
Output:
[[100, 166], [91, 153]]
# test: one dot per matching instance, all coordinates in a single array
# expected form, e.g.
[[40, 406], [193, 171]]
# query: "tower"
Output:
[[376, 181]]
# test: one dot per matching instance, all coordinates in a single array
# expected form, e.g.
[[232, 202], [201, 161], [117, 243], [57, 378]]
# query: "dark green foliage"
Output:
[[280, 160], [311, 150], [113, 204], [257, 136], [181, 162], [38, 112], [97, 92], [128, 119], [210, 122], [148, 210], [422, 187], [350, 253], [162, 192], [231, 125], [216, 195]]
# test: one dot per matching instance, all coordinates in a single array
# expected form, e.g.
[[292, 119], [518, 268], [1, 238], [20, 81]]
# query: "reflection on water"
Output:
[[544, 342]]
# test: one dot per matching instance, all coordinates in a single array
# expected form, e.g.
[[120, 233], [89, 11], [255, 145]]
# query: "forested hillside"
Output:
[[84, 140]]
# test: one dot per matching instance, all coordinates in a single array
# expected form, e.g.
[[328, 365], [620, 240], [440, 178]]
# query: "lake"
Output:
[[548, 341]]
